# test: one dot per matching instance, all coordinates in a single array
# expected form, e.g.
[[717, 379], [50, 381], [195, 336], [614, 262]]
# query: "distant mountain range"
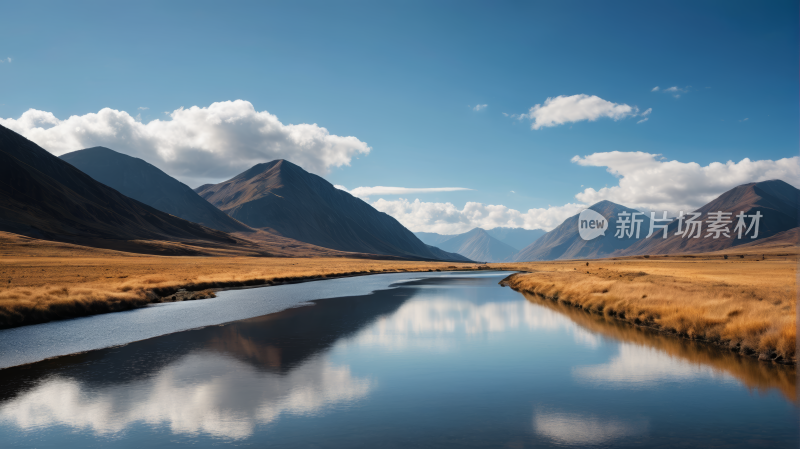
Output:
[[777, 202], [98, 197], [564, 242], [494, 245], [478, 245], [282, 198]]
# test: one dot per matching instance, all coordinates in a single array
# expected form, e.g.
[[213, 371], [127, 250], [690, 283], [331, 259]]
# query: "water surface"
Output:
[[444, 360]]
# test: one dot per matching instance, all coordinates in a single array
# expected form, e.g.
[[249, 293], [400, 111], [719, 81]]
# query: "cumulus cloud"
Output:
[[648, 182], [566, 109], [479, 107], [655, 89], [446, 218], [366, 192], [196, 144]]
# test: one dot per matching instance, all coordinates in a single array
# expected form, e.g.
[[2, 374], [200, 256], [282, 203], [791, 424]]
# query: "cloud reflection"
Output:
[[641, 367], [584, 429], [201, 393], [439, 317]]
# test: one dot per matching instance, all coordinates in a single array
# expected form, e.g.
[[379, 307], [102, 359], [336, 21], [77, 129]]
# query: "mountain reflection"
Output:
[[220, 380]]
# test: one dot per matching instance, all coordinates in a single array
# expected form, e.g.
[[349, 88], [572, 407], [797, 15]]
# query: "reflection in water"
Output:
[[668, 358], [202, 392], [583, 430], [440, 317], [435, 362], [639, 366]]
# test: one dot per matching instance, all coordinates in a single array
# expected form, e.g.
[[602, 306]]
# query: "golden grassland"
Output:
[[746, 304], [42, 281]]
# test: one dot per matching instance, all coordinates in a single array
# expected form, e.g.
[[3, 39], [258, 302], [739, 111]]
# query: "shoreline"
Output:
[[195, 291], [512, 281]]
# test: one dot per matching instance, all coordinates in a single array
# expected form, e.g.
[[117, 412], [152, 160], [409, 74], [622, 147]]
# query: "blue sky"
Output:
[[403, 78]]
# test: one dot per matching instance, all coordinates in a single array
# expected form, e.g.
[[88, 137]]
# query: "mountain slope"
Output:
[[432, 238], [516, 238], [478, 245], [776, 200], [144, 182], [564, 242], [44, 197], [282, 198]]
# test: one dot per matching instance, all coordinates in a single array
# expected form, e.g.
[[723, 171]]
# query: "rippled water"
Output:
[[444, 360]]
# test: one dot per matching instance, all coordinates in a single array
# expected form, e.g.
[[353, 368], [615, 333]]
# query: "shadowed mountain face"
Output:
[[282, 198], [564, 242], [44, 197], [432, 238], [144, 182], [776, 200], [478, 245]]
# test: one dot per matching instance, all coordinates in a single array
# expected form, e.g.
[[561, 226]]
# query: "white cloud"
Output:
[[744, 119], [446, 218], [197, 144], [648, 182], [366, 192], [143, 108], [645, 115], [479, 107], [562, 109], [676, 91], [655, 89]]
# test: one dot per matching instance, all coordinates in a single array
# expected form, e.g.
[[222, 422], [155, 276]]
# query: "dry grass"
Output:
[[745, 304], [42, 281]]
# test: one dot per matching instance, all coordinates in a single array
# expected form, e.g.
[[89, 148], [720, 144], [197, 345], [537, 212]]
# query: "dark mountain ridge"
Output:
[[284, 199], [137, 179], [44, 197]]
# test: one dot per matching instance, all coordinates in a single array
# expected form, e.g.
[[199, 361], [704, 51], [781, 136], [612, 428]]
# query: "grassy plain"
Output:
[[745, 302], [42, 281]]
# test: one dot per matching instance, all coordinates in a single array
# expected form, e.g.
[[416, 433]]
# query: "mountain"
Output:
[[478, 245], [284, 199], [777, 202], [516, 238], [44, 197], [564, 242], [432, 238], [144, 182]]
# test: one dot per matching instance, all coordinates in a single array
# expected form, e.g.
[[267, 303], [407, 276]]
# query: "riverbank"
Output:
[[747, 304], [43, 281]]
